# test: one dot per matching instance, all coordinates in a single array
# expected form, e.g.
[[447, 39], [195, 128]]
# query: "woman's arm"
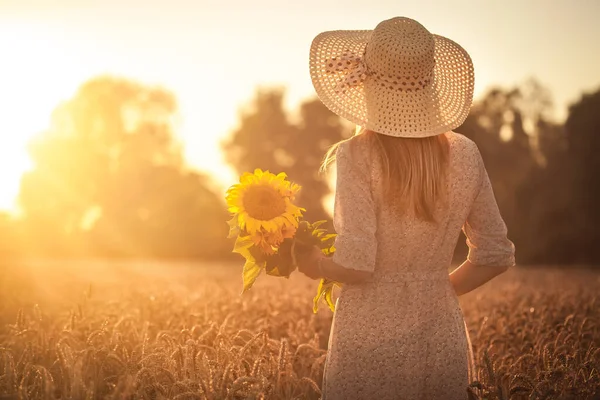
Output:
[[354, 220], [469, 276], [316, 266], [336, 272], [491, 253]]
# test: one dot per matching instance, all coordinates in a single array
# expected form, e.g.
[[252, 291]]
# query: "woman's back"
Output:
[[408, 305], [409, 245]]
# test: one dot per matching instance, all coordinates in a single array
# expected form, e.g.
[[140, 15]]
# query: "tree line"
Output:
[[109, 178]]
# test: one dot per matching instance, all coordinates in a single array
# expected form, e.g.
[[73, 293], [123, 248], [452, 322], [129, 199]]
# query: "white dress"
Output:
[[402, 334]]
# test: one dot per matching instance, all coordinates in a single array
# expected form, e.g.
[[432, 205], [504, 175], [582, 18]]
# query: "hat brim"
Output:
[[441, 106]]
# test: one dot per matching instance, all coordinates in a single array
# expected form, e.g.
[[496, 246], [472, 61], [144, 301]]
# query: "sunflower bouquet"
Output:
[[269, 230]]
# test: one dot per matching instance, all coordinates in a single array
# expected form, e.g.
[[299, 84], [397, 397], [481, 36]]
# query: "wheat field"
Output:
[[149, 330]]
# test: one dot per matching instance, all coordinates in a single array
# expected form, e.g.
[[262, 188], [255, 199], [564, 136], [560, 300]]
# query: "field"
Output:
[[94, 330]]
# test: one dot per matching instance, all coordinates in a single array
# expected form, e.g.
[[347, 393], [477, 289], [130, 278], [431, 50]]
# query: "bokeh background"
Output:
[[123, 122]]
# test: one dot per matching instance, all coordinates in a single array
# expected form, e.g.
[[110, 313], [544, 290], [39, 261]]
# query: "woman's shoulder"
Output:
[[357, 147], [463, 146], [355, 153], [460, 141]]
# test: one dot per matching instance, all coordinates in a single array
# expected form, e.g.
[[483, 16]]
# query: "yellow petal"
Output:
[[281, 189]]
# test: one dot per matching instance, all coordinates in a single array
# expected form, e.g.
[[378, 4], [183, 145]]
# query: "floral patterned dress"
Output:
[[402, 335]]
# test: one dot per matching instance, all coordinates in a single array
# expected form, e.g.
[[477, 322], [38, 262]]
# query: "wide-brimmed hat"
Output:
[[398, 79]]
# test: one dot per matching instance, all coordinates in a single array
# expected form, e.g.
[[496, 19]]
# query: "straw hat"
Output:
[[398, 79]]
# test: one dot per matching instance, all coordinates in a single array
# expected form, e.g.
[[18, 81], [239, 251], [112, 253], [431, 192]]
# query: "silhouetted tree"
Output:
[[542, 173], [544, 202], [556, 203], [266, 139], [496, 125], [109, 178], [519, 145], [318, 130], [261, 139], [583, 147]]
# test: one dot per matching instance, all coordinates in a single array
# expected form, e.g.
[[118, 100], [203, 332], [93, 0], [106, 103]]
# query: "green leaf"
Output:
[[275, 272], [319, 232], [317, 224], [317, 298], [279, 268], [329, 298], [306, 237], [325, 291], [257, 253], [251, 271], [234, 229], [328, 251], [327, 237], [242, 244]]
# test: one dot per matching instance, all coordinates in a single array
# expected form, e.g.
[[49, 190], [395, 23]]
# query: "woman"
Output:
[[406, 186]]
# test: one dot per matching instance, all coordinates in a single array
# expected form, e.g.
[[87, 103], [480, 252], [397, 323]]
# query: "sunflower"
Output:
[[268, 242], [262, 202]]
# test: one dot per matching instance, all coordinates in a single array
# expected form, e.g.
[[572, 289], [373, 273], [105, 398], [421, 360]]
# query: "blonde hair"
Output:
[[413, 170]]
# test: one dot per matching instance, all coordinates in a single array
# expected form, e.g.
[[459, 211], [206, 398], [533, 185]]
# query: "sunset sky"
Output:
[[213, 54]]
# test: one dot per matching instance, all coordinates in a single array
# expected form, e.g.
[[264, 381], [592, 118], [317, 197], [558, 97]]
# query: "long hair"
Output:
[[414, 170]]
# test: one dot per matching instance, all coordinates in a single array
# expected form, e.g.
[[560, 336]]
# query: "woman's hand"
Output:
[[307, 259], [468, 276]]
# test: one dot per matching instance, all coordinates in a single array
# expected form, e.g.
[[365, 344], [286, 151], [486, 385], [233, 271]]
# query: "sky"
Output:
[[213, 54]]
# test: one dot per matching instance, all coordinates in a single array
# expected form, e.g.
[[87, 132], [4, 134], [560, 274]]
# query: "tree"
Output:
[[542, 172], [266, 139], [583, 146], [109, 178], [496, 125], [520, 145], [261, 140], [318, 130]]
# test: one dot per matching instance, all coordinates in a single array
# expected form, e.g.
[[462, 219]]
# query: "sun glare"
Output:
[[34, 79], [14, 163]]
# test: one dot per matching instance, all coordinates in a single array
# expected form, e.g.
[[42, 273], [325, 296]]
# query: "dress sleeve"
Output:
[[485, 229], [354, 215]]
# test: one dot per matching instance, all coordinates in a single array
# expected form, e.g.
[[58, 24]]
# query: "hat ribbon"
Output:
[[352, 66]]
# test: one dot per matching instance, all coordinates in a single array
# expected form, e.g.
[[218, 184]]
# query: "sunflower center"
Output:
[[263, 202]]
